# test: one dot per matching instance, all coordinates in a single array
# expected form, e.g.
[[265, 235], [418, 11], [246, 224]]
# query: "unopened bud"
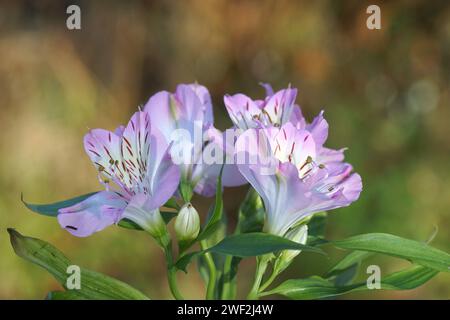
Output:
[[187, 223]]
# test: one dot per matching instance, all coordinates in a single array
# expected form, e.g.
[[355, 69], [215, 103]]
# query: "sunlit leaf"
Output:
[[317, 225], [417, 252], [185, 260], [318, 288], [52, 208], [256, 244], [64, 295], [354, 257], [346, 269], [94, 285]]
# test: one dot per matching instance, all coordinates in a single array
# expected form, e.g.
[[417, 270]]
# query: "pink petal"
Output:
[[93, 214]]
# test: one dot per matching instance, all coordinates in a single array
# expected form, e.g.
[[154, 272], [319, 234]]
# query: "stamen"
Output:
[[268, 115], [293, 146], [308, 161]]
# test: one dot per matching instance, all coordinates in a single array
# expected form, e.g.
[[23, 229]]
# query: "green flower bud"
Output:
[[187, 223], [299, 235]]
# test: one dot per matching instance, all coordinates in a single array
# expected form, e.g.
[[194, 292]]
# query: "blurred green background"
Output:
[[385, 94]]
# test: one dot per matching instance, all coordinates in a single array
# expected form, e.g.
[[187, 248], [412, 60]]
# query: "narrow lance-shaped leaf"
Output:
[[346, 269], [51, 209], [94, 285], [354, 257], [256, 244], [64, 295], [319, 288], [248, 245], [250, 219], [417, 252]]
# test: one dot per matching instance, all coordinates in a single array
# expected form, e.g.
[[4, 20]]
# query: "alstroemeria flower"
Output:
[[276, 110], [294, 184], [135, 166], [185, 118]]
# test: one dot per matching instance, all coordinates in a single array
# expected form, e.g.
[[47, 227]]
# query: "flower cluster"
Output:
[[170, 150], [295, 174]]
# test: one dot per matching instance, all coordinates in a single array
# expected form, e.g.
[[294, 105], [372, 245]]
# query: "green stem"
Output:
[[227, 283], [210, 290], [172, 273], [261, 266], [269, 281]]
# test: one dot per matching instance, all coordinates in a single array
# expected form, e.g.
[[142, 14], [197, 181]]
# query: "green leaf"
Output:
[[250, 219], [251, 213], [172, 204], [94, 285], [52, 208], [64, 295], [256, 244], [247, 245], [319, 288], [215, 218], [354, 257], [183, 262], [347, 276], [317, 225], [346, 269], [316, 241], [417, 252]]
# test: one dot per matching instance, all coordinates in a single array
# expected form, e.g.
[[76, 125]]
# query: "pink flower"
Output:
[[293, 174], [185, 118], [275, 110], [135, 167]]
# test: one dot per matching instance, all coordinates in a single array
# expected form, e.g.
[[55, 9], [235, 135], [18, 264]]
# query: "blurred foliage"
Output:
[[385, 94]]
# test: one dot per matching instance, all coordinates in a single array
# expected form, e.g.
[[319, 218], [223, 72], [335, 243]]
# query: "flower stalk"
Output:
[[171, 272], [211, 287], [261, 267]]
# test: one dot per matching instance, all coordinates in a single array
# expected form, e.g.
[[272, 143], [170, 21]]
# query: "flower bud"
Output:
[[187, 223], [299, 235]]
